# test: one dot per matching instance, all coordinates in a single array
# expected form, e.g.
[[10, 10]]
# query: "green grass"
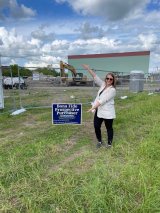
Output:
[[49, 168]]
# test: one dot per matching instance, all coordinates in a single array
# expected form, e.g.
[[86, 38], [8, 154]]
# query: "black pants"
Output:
[[108, 125]]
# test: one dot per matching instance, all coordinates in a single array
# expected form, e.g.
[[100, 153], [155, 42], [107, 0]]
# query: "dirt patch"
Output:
[[87, 130], [71, 158], [85, 166]]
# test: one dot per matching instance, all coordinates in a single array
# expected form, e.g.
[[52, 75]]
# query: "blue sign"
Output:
[[66, 113]]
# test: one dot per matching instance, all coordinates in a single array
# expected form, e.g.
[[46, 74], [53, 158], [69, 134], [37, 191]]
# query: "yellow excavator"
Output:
[[77, 78]]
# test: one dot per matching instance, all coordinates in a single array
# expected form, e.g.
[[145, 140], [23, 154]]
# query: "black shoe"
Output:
[[99, 144], [108, 145]]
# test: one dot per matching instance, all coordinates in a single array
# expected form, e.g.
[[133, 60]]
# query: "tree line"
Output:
[[15, 71]]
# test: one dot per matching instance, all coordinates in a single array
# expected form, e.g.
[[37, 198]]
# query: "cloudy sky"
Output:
[[43, 32]]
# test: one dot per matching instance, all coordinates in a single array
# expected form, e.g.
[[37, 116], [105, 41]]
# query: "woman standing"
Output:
[[103, 105]]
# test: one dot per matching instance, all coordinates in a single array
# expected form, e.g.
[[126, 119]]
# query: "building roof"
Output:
[[108, 55]]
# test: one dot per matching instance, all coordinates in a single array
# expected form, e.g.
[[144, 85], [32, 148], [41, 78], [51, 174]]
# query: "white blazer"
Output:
[[106, 99]]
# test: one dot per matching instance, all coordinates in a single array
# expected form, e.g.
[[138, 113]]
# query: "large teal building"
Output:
[[122, 63]]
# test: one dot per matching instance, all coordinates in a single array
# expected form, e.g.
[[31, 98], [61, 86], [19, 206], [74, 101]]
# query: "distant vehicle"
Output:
[[14, 82], [77, 77]]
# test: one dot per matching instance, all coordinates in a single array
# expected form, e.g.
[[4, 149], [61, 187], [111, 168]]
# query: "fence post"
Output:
[[1, 87], [19, 89], [14, 103]]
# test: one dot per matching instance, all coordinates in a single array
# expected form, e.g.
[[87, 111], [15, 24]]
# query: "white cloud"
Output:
[[42, 35], [59, 44], [148, 41], [10, 39], [111, 9], [20, 11], [14, 45], [44, 61], [37, 53], [134, 29], [15, 10], [95, 45], [34, 42], [87, 31]]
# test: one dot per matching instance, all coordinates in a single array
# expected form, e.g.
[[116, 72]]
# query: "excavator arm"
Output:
[[76, 77], [64, 66]]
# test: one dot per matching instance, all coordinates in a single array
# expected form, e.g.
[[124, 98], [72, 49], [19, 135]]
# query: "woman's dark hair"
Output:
[[114, 78]]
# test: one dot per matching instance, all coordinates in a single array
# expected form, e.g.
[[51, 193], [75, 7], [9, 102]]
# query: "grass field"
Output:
[[49, 168]]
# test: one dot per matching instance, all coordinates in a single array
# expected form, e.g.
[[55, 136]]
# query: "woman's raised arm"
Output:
[[86, 67]]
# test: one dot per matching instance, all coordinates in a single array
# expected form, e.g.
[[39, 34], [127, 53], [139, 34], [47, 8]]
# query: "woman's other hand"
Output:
[[85, 66]]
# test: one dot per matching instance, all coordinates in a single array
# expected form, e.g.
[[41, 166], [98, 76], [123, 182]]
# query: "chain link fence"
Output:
[[41, 90]]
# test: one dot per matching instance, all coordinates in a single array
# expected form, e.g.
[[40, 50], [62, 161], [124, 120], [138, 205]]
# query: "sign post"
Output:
[[66, 113]]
